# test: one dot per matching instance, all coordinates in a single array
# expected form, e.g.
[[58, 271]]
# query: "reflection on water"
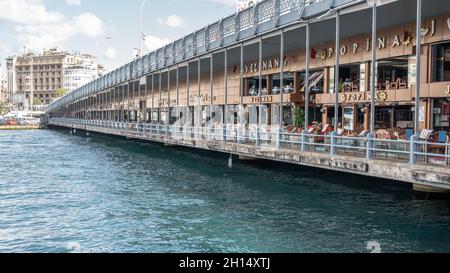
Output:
[[62, 193]]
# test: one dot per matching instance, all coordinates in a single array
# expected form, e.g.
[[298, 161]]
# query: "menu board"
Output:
[[349, 119]]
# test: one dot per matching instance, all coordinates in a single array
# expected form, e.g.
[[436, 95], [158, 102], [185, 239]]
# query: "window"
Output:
[[288, 83], [253, 86], [441, 111], [287, 115], [441, 62], [316, 81], [393, 73], [383, 117]]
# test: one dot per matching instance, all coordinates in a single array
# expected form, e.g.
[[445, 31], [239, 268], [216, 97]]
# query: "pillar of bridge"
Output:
[[247, 158], [170, 145], [423, 189]]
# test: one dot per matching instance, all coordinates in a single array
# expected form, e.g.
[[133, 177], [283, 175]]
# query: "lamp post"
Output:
[[98, 43], [31, 78], [141, 32]]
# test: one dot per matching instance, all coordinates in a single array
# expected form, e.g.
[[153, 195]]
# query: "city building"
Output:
[[10, 78], [37, 76], [79, 69], [43, 75], [244, 4], [3, 88]]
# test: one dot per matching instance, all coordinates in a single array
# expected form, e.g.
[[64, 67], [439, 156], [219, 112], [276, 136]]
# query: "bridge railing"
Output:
[[413, 151]]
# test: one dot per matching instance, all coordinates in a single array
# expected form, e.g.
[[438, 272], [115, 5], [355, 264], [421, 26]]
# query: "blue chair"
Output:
[[442, 137], [409, 133]]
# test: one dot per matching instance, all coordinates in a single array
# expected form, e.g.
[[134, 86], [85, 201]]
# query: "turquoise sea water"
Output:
[[78, 193]]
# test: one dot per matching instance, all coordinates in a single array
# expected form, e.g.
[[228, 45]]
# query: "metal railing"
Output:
[[264, 16], [413, 151]]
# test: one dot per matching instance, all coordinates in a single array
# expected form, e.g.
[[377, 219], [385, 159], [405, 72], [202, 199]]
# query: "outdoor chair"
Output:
[[425, 134], [394, 85], [403, 85], [442, 137], [409, 134]]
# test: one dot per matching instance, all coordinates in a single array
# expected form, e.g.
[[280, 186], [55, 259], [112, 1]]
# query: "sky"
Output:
[[81, 25]]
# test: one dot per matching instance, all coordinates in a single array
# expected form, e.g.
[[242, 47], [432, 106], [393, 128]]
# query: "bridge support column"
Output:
[[247, 158], [169, 145], [423, 189]]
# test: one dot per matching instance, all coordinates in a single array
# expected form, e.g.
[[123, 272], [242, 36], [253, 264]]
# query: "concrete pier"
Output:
[[247, 158], [423, 189]]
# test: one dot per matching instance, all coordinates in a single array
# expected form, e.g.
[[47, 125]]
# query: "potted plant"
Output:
[[299, 117]]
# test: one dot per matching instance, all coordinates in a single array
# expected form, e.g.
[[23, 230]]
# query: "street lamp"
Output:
[[142, 35], [31, 78], [98, 43]]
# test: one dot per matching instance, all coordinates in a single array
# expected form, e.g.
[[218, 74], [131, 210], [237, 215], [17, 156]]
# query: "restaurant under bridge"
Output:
[[355, 86]]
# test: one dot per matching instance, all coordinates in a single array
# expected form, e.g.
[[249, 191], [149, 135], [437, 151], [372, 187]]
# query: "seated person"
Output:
[[364, 133], [347, 82], [264, 91], [276, 90], [253, 91], [325, 129], [288, 89]]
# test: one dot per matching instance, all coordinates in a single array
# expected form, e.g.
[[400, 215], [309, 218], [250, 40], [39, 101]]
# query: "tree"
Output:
[[60, 92], [37, 101], [4, 109], [299, 117]]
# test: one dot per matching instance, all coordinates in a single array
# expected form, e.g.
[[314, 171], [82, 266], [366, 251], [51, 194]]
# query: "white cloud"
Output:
[[88, 24], [73, 2], [171, 21], [36, 28], [27, 12], [4, 48], [152, 42], [225, 2], [111, 53]]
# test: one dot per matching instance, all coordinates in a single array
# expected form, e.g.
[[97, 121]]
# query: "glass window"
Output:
[[412, 71], [287, 115], [288, 83], [383, 118], [393, 73], [441, 62], [331, 81], [441, 113], [362, 77], [253, 86], [316, 81]]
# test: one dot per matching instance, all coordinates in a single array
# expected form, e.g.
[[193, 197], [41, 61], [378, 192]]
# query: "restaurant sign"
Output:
[[405, 40], [264, 99], [397, 40], [201, 99], [267, 64], [356, 97]]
